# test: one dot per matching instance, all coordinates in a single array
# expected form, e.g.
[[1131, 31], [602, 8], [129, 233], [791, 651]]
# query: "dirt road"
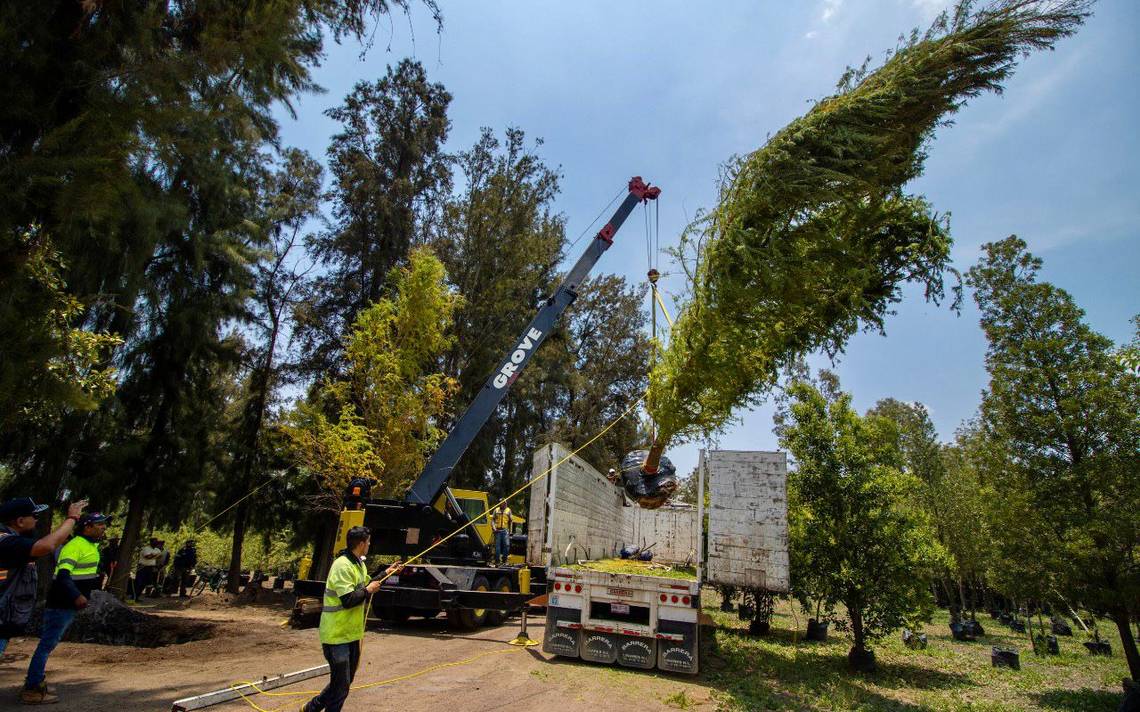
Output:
[[250, 642]]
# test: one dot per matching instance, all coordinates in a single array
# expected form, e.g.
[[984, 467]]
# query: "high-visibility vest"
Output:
[[501, 520], [340, 624], [80, 556]]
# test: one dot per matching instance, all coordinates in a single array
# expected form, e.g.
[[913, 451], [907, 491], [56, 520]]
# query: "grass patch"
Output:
[[781, 671], [680, 700], [638, 568]]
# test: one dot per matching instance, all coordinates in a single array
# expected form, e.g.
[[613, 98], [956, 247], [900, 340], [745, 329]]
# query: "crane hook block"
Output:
[[643, 190]]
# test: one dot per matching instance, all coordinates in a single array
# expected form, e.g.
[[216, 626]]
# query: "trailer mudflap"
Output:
[[638, 652], [562, 628], [677, 649], [599, 646]]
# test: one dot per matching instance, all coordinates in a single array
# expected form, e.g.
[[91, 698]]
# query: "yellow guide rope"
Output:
[[248, 698]]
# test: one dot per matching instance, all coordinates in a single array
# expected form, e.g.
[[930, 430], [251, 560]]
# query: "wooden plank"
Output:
[[250, 689]]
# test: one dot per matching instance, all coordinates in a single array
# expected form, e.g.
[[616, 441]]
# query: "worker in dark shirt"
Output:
[[19, 550], [76, 576], [108, 561], [184, 562]]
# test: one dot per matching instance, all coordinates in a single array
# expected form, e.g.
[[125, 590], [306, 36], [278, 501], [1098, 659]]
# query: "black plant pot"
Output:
[[745, 612], [1005, 618], [759, 627], [974, 628], [961, 632], [1005, 657], [861, 660], [1061, 628], [1017, 626], [816, 631], [1099, 647]]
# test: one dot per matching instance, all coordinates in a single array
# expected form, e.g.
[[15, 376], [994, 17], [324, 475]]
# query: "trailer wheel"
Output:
[[503, 584], [470, 618]]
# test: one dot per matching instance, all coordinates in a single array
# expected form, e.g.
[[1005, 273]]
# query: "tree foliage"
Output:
[[502, 241], [860, 540], [386, 409], [48, 365], [1063, 414], [132, 134], [813, 235], [389, 176]]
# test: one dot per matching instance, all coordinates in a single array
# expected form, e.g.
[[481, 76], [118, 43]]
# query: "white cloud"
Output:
[[830, 8], [811, 35]]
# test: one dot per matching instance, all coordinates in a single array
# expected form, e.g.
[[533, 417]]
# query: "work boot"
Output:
[[38, 695]]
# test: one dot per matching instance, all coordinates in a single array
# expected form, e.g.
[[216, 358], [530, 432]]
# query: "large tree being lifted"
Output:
[[813, 235]]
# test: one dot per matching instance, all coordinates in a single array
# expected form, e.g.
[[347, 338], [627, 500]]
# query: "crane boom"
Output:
[[437, 472]]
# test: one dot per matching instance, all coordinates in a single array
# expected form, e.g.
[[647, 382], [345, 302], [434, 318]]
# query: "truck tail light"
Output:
[[664, 598], [674, 598], [578, 588], [557, 586], [685, 600]]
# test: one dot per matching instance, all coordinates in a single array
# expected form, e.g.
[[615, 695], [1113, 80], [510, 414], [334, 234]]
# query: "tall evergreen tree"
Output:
[[389, 175], [1061, 409], [813, 235], [288, 197], [128, 134], [501, 243]]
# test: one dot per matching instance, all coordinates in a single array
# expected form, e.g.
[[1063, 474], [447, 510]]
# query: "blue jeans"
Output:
[[3, 645], [502, 544], [56, 622], [343, 658]]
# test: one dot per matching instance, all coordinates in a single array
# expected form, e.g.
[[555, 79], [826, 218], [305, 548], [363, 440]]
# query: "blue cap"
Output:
[[20, 507]]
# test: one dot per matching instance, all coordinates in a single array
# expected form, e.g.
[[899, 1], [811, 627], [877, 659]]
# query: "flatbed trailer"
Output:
[[643, 620], [638, 621]]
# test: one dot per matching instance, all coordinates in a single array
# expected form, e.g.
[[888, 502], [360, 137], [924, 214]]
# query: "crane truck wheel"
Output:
[[498, 617], [470, 618]]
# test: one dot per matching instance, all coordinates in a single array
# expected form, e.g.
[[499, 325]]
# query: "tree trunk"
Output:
[[1128, 642], [233, 577], [129, 540], [859, 658], [653, 458], [857, 628], [946, 591]]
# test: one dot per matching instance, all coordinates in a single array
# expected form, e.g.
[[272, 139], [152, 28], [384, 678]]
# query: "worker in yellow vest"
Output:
[[347, 589], [76, 576], [501, 524]]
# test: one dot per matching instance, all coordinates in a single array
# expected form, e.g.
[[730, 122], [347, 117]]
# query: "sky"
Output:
[[671, 90]]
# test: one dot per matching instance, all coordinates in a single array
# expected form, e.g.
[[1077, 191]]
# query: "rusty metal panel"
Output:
[[747, 519]]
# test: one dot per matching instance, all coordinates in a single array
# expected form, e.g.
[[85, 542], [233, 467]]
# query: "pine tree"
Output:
[[389, 175], [1060, 411], [813, 235]]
